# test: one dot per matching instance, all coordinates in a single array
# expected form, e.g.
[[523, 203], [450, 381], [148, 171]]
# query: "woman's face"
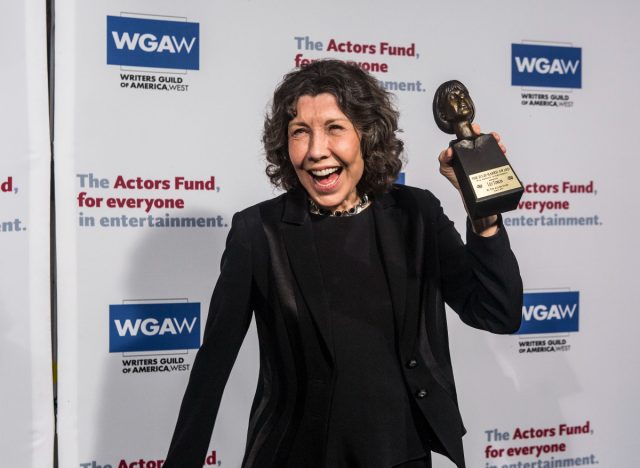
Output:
[[324, 148]]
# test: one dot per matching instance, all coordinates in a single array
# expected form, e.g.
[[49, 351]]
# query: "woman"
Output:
[[347, 275]]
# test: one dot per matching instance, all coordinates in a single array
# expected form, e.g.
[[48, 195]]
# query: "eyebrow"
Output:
[[328, 122], [296, 122]]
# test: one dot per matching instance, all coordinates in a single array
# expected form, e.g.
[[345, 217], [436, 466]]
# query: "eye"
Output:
[[335, 128], [297, 132]]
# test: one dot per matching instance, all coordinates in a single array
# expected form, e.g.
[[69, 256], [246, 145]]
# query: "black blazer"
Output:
[[270, 267]]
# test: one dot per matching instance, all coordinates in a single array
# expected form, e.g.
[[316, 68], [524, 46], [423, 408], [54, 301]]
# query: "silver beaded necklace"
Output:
[[354, 210]]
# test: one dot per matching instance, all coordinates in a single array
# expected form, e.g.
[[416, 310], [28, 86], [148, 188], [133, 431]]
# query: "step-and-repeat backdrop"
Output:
[[159, 110], [26, 391]]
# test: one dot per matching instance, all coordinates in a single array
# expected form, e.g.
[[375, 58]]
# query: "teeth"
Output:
[[324, 172]]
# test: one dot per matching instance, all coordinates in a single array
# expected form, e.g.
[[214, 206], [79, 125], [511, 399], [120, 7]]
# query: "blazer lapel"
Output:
[[303, 257], [390, 225]]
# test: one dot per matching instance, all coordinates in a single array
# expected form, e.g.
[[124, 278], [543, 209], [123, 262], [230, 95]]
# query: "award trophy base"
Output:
[[488, 183]]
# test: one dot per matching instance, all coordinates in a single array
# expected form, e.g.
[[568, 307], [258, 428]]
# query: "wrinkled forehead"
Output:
[[292, 109]]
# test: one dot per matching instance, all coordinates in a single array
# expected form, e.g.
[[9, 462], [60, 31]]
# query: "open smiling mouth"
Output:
[[326, 178]]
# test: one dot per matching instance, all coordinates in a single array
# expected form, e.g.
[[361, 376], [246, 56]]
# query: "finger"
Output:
[[503, 148], [476, 128], [496, 135], [445, 156]]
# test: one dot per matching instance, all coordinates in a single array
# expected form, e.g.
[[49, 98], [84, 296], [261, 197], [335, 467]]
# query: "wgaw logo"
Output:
[[154, 327], [546, 66], [153, 43], [550, 312]]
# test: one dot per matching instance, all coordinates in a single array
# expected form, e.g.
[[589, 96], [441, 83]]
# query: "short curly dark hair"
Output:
[[361, 98]]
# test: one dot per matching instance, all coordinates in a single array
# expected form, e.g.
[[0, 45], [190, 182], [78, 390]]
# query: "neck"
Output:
[[463, 129], [352, 200], [341, 210]]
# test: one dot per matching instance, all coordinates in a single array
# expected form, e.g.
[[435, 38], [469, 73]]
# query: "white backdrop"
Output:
[[130, 124], [26, 393]]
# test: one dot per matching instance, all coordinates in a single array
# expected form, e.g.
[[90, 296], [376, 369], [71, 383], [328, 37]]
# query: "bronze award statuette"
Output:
[[488, 183]]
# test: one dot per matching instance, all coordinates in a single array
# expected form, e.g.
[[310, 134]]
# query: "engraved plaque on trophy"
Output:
[[488, 183]]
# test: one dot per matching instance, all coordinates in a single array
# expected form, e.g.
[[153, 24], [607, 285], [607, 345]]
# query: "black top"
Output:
[[371, 422], [270, 270]]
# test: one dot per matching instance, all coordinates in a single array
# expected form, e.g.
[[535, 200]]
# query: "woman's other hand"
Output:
[[446, 155], [484, 226]]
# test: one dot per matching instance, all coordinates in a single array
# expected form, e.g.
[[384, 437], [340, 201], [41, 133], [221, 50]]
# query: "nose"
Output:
[[318, 146]]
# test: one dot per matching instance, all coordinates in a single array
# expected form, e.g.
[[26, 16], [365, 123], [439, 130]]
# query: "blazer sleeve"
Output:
[[480, 280], [229, 317]]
